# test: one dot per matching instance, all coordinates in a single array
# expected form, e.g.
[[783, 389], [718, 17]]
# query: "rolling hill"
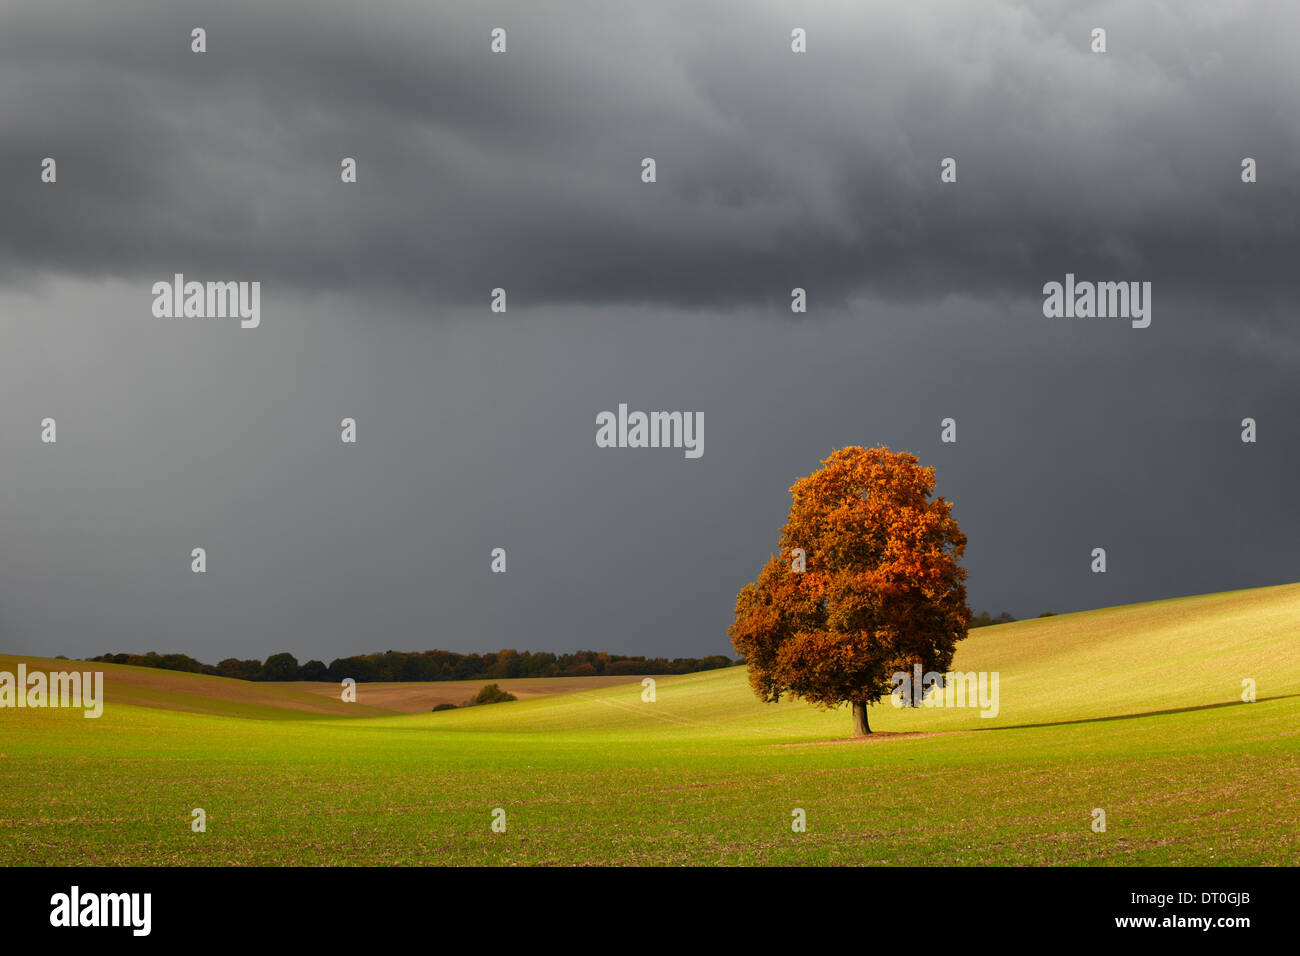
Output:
[[1133, 710]]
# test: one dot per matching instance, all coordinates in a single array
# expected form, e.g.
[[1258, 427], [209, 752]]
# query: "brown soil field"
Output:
[[420, 698], [204, 694]]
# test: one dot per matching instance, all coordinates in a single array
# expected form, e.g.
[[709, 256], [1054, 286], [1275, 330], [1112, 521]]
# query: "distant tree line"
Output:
[[400, 666]]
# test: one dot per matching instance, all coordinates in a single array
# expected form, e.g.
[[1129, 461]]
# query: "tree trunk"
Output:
[[860, 726]]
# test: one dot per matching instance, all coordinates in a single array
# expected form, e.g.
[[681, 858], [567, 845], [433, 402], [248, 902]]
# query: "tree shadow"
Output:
[[1150, 713]]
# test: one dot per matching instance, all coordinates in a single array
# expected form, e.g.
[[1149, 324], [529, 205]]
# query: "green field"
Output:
[[1136, 710]]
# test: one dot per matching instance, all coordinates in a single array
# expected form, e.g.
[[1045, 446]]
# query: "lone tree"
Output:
[[866, 585]]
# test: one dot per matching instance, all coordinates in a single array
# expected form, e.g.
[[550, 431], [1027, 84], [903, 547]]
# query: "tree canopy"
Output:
[[867, 584]]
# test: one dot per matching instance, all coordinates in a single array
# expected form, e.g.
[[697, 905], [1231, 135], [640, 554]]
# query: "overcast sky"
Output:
[[522, 170]]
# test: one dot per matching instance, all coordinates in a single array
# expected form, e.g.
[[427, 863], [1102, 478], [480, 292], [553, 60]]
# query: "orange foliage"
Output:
[[882, 589]]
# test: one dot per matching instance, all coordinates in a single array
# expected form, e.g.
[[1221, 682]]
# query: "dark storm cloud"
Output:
[[522, 170], [476, 430]]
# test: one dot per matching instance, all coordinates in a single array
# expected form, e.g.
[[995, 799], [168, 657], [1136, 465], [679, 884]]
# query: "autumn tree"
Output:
[[867, 584]]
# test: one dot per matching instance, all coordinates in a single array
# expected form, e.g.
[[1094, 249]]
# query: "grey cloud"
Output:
[[477, 429], [773, 167]]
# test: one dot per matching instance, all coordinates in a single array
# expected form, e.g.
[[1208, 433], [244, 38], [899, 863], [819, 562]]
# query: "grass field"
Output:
[[1136, 710]]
